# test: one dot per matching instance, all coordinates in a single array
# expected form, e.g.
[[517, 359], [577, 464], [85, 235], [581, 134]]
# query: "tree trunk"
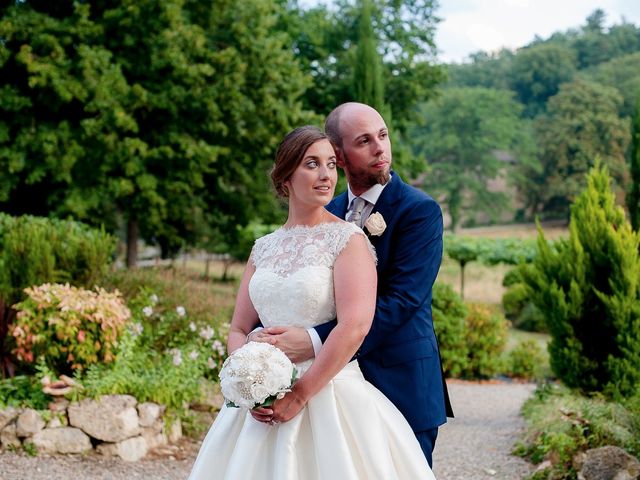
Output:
[[207, 264], [462, 264], [132, 242]]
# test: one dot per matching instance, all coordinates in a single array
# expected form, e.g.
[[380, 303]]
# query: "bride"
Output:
[[315, 268]]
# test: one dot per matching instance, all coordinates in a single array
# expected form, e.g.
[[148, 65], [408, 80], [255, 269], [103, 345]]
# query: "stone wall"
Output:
[[112, 425]]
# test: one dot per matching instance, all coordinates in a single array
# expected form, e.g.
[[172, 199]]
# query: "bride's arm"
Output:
[[355, 280], [244, 314]]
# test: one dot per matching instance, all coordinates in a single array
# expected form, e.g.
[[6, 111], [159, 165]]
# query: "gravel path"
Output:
[[475, 445]]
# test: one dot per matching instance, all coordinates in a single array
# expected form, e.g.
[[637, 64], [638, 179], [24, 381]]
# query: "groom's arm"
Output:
[[413, 266]]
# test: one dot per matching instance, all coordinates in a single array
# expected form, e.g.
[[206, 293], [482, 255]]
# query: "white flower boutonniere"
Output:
[[375, 224]]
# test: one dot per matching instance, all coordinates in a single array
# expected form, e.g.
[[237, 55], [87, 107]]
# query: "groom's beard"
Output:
[[363, 179]]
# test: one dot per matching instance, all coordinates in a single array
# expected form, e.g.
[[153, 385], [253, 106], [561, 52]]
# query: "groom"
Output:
[[400, 354]]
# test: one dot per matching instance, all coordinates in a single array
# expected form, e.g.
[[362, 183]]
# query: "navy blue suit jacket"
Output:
[[400, 353]]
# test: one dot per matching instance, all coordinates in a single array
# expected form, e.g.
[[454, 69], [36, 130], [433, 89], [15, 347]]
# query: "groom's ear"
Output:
[[339, 156]]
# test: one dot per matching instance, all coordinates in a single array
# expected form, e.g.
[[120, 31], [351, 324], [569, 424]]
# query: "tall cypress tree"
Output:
[[633, 198], [368, 84]]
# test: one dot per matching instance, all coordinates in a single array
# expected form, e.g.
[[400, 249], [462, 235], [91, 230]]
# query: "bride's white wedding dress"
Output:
[[349, 430]]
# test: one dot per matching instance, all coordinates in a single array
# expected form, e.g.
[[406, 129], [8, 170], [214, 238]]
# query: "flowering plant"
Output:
[[375, 224], [70, 327], [256, 375]]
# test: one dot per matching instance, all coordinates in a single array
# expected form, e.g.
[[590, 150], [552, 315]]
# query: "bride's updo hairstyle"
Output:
[[290, 153]]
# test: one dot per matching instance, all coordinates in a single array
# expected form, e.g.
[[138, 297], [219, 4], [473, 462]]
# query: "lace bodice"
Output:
[[293, 281]]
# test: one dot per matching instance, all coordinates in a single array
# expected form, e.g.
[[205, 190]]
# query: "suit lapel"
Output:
[[386, 204]]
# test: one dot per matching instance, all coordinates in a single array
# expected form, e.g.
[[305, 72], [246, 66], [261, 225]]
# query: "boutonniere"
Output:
[[375, 224]]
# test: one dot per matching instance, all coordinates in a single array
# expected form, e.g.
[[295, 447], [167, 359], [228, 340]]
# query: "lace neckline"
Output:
[[305, 228]]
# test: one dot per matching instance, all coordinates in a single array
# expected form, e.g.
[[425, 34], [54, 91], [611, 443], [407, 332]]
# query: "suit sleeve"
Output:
[[413, 267]]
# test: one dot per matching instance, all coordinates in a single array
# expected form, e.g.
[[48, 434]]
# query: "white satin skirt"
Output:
[[348, 431]]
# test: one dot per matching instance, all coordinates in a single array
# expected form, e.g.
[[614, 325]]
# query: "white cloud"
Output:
[[471, 25]]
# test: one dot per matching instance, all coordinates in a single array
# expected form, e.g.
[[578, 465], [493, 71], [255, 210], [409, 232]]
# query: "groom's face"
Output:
[[365, 155]]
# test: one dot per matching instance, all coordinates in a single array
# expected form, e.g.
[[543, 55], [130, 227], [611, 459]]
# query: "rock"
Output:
[[7, 415], [62, 440], [148, 413], [132, 449], [112, 418], [8, 437], [608, 463], [107, 449], [59, 404], [29, 422], [58, 420], [154, 438], [173, 431]]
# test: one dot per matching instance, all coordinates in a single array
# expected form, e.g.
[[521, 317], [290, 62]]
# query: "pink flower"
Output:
[[81, 336]]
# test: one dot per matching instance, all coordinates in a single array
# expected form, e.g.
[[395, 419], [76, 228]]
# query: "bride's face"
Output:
[[313, 182]]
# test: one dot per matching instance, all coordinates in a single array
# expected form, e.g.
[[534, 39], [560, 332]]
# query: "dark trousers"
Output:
[[427, 440]]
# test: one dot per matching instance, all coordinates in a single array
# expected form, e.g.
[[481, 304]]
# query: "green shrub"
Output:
[[486, 336], [526, 361], [36, 250], [588, 287], [170, 375], [449, 322], [514, 300], [23, 391], [561, 423], [517, 304], [69, 328]]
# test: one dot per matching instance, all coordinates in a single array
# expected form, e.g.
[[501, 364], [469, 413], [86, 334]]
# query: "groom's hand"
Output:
[[293, 341]]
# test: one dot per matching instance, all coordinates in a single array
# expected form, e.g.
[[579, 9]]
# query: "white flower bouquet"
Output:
[[256, 375]]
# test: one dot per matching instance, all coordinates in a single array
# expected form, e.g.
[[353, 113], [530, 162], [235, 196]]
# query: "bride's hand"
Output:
[[288, 407], [293, 341]]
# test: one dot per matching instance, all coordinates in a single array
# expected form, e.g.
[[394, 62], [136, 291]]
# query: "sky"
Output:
[[468, 26]]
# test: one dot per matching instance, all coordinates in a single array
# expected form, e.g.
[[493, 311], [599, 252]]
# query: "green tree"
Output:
[[325, 38], [368, 84], [460, 136], [633, 197], [588, 287], [537, 73], [620, 73], [155, 115], [581, 124]]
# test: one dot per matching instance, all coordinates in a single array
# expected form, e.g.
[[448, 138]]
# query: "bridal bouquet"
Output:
[[256, 375]]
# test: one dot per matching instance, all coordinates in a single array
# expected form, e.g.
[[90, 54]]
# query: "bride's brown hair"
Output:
[[290, 153]]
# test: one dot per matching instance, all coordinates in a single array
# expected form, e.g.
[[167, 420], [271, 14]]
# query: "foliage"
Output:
[[449, 314], [490, 251], [633, 197], [561, 423], [517, 304], [581, 124], [588, 286], [69, 328], [368, 83], [526, 361], [486, 337], [325, 38], [37, 250], [160, 116], [620, 73], [537, 72], [156, 362], [208, 303], [460, 136], [22, 391]]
